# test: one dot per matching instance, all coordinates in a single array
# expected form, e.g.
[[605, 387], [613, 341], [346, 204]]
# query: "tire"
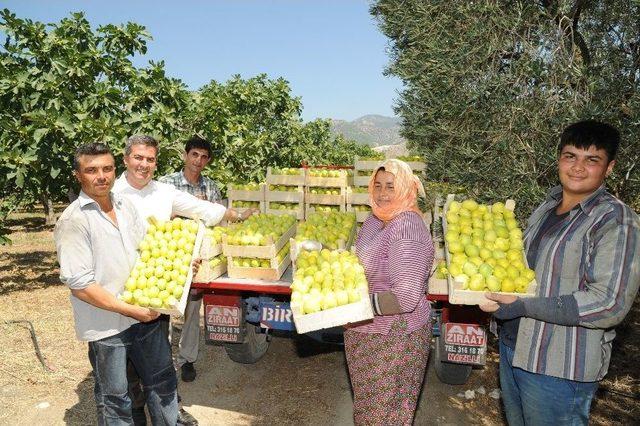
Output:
[[250, 351], [448, 372]]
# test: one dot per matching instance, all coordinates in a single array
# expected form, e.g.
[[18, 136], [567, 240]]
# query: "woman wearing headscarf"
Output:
[[387, 357]]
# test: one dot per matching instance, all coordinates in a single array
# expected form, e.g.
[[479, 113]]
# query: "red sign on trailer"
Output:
[[465, 343], [223, 318]]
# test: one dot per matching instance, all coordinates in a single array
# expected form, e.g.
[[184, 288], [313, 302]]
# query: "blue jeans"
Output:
[[148, 348], [538, 399]]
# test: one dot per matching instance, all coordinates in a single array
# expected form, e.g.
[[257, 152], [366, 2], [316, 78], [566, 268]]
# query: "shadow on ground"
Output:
[[27, 224], [84, 411], [27, 271]]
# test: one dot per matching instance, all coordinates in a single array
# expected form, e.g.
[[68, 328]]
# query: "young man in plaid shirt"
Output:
[[196, 156]]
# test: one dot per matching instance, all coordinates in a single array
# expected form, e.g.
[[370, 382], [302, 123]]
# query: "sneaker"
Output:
[[188, 372], [186, 419]]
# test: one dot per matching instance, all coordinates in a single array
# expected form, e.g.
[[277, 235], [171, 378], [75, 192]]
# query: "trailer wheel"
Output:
[[448, 372], [255, 345]]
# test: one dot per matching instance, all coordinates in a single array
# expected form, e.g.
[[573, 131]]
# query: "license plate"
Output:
[[276, 315]]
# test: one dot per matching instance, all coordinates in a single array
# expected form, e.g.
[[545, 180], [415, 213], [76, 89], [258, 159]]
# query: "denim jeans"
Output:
[[148, 349], [538, 399]]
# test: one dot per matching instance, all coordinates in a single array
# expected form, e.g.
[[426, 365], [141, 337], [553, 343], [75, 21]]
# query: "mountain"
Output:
[[374, 130]]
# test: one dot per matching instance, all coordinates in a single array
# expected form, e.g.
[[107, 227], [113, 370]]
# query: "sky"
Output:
[[330, 51]]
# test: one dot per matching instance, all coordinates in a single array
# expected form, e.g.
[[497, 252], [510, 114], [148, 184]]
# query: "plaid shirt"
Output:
[[206, 189], [595, 256]]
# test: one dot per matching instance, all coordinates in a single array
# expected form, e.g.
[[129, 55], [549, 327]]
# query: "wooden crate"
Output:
[[246, 195], [295, 247], [357, 198], [361, 216], [207, 273], [331, 182], [286, 197], [268, 251], [273, 273], [439, 286], [459, 296], [346, 314], [178, 309], [209, 249], [366, 164], [361, 180], [309, 209], [298, 212], [289, 180], [328, 199], [235, 195], [233, 204]]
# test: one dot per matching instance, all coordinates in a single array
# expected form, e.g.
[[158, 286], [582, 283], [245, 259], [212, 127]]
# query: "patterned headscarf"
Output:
[[407, 187]]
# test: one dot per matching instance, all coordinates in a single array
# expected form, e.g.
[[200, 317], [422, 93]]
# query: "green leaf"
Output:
[[38, 134]]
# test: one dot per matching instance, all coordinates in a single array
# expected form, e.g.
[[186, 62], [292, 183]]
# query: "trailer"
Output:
[[241, 314]]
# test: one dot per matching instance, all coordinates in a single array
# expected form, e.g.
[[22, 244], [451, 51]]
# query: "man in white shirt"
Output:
[[96, 239], [163, 201]]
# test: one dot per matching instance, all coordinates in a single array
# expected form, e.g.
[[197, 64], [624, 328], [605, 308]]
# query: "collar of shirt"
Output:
[[123, 185], [554, 196], [186, 182], [85, 200]]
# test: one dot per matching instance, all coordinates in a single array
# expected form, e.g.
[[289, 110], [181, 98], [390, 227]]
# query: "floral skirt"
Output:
[[386, 373]]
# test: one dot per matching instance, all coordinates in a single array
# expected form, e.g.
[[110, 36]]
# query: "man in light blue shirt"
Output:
[[96, 239]]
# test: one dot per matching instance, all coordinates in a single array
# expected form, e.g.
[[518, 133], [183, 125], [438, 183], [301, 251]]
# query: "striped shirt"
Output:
[[595, 255], [206, 189], [397, 258]]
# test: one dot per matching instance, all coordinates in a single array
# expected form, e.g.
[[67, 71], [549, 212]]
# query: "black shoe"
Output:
[[188, 372], [186, 419]]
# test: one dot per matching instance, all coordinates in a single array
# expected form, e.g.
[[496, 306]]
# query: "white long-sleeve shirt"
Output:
[[163, 200]]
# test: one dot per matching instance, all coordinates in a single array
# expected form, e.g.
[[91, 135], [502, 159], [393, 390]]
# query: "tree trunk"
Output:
[[47, 205]]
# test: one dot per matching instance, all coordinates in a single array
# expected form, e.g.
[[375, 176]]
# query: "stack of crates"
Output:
[[248, 196], [358, 198], [214, 263], [326, 190], [265, 262], [284, 192]]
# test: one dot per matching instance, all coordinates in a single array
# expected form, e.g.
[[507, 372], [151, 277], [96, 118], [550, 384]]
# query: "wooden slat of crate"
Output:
[[207, 273], [332, 182], [328, 199], [245, 195], [209, 248], [258, 273], [298, 212], [361, 180], [357, 198], [459, 296], [361, 216], [178, 309], [285, 196], [366, 165], [340, 315], [417, 166], [289, 180], [232, 204], [262, 252], [308, 209]]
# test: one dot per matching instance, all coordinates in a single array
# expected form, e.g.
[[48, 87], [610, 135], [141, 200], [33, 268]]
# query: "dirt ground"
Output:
[[297, 382]]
